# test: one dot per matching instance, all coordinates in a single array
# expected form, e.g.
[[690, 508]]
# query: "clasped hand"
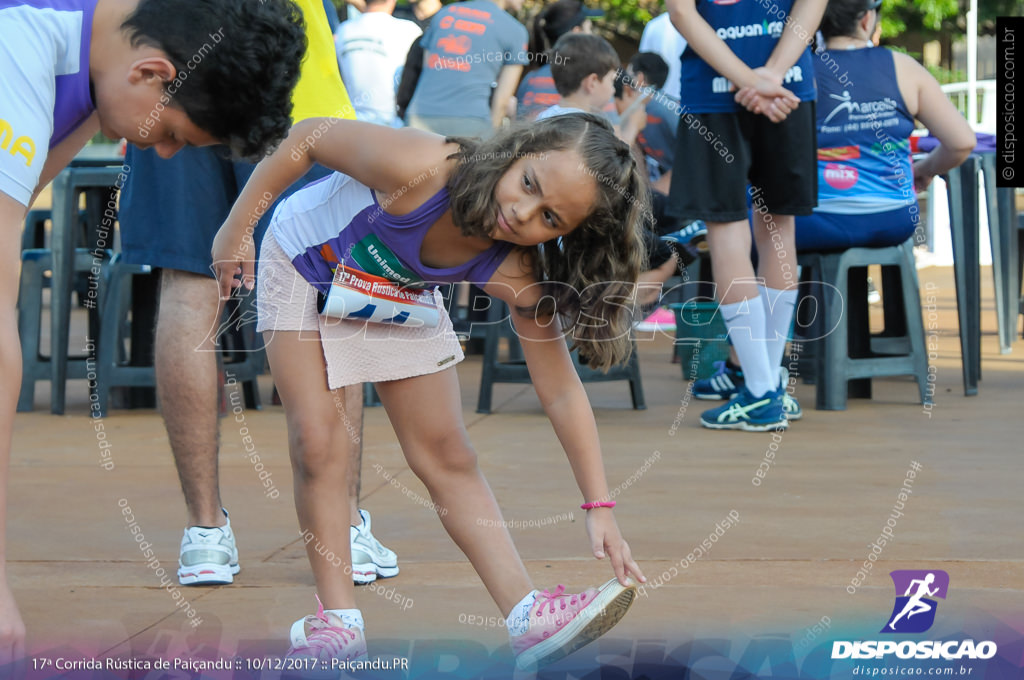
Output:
[[767, 96]]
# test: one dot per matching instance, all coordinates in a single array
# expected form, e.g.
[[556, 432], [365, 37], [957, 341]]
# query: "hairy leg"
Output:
[[426, 413], [353, 420], [320, 448], [186, 378]]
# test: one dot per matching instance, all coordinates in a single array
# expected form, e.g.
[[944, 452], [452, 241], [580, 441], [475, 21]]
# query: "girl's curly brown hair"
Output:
[[589, 275]]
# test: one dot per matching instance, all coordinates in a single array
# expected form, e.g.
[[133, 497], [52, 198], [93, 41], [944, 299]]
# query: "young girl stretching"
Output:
[[546, 218]]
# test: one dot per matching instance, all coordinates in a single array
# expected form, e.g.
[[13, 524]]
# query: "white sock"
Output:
[[746, 324], [353, 618], [518, 621], [778, 307]]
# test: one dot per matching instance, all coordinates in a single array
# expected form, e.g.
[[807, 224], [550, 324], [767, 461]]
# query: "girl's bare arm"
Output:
[[385, 159], [567, 406]]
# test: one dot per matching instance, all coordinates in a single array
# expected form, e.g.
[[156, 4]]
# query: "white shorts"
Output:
[[354, 351]]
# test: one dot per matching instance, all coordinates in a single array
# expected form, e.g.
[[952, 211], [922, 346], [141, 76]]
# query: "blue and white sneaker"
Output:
[[690, 242], [725, 382], [747, 412], [208, 556], [694, 234], [370, 559], [790, 406]]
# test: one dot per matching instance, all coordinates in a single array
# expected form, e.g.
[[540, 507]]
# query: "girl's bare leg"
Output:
[[319, 445], [426, 412]]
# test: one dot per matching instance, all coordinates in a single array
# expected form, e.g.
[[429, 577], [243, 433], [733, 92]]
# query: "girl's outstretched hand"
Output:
[[233, 254], [605, 539]]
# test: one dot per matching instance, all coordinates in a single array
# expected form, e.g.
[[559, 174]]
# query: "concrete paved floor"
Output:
[[803, 533]]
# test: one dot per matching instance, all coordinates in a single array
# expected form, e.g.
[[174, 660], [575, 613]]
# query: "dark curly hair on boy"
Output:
[[237, 62]]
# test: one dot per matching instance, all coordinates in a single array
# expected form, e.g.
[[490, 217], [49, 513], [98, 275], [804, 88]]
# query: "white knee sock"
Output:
[[746, 324], [353, 618], [518, 621], [778, 308]]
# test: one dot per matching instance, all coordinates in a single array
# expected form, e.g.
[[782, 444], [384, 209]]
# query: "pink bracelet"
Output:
[[597, 504]]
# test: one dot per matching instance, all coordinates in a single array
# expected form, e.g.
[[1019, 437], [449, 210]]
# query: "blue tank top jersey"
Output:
[[339, 220], [864, 126], [751, 29]]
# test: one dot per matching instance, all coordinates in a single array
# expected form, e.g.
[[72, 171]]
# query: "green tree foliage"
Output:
[[627, 18], [988, 10], [925, 16], [933, 18], [623, 18]]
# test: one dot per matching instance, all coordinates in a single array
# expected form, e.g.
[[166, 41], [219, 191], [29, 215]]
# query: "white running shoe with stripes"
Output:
[[208, 555], [370, 559]]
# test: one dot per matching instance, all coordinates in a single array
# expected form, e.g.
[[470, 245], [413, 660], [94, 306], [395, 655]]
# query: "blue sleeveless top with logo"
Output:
[[751, 29], [864, 126]]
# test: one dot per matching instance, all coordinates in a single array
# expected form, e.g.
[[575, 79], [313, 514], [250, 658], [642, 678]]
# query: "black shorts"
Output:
[[719, 154]]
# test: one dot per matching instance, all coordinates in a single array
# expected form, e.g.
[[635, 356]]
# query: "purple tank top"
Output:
[[73, 101], [370, 239]]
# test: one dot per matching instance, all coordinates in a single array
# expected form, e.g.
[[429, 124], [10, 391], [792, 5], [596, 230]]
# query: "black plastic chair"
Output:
[[35, 264], [34, 235], [113, 368], [241, 347], [513, 369], [97, 183], [1020, 266], [846, 354], [1002, 226], [962, 189]]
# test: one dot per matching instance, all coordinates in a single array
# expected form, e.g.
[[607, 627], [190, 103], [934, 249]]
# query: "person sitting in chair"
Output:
[[868, 98]]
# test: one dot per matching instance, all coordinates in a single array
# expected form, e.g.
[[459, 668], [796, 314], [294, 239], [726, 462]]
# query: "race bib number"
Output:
[[357, 296]]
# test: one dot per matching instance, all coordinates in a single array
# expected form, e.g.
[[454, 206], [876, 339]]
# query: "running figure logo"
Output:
[[845, 104], [916, 586]]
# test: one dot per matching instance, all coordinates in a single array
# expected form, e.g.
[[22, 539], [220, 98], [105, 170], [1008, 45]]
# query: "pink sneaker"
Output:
[[325, 637], [561, 623], [661, 319]]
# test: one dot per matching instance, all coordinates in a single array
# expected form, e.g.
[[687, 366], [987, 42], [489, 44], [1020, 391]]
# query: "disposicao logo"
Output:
[[917, 588], [914, 612]]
